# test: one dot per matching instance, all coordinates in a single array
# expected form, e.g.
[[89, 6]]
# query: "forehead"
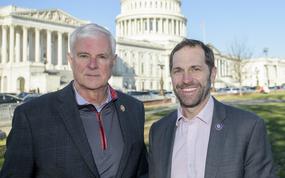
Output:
[[98, 42], [189, 56]]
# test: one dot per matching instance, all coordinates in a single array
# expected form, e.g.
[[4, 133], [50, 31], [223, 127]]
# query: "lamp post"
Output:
[[161, 66]]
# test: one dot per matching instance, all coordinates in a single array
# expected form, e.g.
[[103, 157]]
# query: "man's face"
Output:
[[191, 77], [91, 61]]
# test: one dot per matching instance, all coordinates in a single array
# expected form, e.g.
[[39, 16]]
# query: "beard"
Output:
[[196, 99]]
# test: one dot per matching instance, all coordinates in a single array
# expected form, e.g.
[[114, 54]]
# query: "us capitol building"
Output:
[[34, 43]]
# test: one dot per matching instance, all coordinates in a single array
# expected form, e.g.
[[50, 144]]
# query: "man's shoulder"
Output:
[[164, 122], [44, 99], [240, 114], [127, 98]]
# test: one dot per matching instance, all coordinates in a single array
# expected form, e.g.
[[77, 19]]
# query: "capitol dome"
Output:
[[151, 20]]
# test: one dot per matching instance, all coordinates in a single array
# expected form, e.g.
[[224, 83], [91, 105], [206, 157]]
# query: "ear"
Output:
[[213, 74], [114, 60]]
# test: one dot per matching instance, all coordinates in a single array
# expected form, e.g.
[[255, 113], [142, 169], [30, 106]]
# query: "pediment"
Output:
[[54, 15]]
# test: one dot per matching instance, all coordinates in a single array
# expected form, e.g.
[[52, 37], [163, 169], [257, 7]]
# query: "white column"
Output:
[[147, 24], [125, 28], [122, 28], [4, 44], [37, 45], [173, 26], [59, 48], [184, 28], [135, 26], [160, 26], [180, 29], [167, 26], [49, 47], [177, 27], [11, 45], [154, 25], [129, 27], [142, 27], [18, 49], [25, 41]]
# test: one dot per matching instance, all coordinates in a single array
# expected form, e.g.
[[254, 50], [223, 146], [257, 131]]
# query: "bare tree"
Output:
[[240, 53]]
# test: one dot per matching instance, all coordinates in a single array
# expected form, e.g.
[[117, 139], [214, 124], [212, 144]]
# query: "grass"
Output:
[[274, 95], [2, 151]]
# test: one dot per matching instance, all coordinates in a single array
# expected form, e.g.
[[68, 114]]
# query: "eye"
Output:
[[196, 69], [176, 70], [103, 56], [83, 56]]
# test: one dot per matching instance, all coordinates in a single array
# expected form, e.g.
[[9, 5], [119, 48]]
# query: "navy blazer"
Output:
[[47, 139], [238, 149]]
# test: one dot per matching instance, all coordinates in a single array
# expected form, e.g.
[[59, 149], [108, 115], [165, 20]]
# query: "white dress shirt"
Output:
[[191, 143]]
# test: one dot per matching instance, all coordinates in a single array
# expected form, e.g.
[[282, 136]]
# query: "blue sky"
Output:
[[258, 24]]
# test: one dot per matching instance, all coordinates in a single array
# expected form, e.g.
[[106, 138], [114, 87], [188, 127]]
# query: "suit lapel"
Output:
[[127, 129], [167, 149], [216, 141], [68, 111]]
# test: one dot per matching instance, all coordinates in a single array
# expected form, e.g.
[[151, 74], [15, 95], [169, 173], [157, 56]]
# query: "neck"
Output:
[[93, 96], [191, 112]]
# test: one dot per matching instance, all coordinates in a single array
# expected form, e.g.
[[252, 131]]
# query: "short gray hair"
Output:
[[89, 30]]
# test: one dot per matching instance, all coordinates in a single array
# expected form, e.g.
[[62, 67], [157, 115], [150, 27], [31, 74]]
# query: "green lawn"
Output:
[[280, 95]]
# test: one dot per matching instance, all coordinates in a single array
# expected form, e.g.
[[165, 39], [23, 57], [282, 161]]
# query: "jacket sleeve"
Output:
[[19, 154], [258, 158]]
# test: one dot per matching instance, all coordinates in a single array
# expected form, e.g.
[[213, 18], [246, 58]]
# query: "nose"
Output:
[[187, 77], [93, 63]]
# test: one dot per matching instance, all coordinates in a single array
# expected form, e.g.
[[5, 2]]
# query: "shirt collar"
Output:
[[204, 115], [111, 96]]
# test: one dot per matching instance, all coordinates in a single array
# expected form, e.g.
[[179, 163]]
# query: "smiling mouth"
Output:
[[188, 90]]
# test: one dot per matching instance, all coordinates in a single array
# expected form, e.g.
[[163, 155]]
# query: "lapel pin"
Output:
[[219, 127], [122, 107]]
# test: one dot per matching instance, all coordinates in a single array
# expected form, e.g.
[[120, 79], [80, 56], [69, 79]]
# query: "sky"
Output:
[[257, 24]]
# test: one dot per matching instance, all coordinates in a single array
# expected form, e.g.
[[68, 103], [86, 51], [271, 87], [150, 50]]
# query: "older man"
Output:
[[87, 129]]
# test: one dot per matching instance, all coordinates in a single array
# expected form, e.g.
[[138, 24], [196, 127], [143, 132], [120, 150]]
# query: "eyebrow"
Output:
[[176, 67], [100, 54]]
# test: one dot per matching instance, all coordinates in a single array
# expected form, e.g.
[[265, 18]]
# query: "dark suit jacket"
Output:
[[47, 139], [239, 150]]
